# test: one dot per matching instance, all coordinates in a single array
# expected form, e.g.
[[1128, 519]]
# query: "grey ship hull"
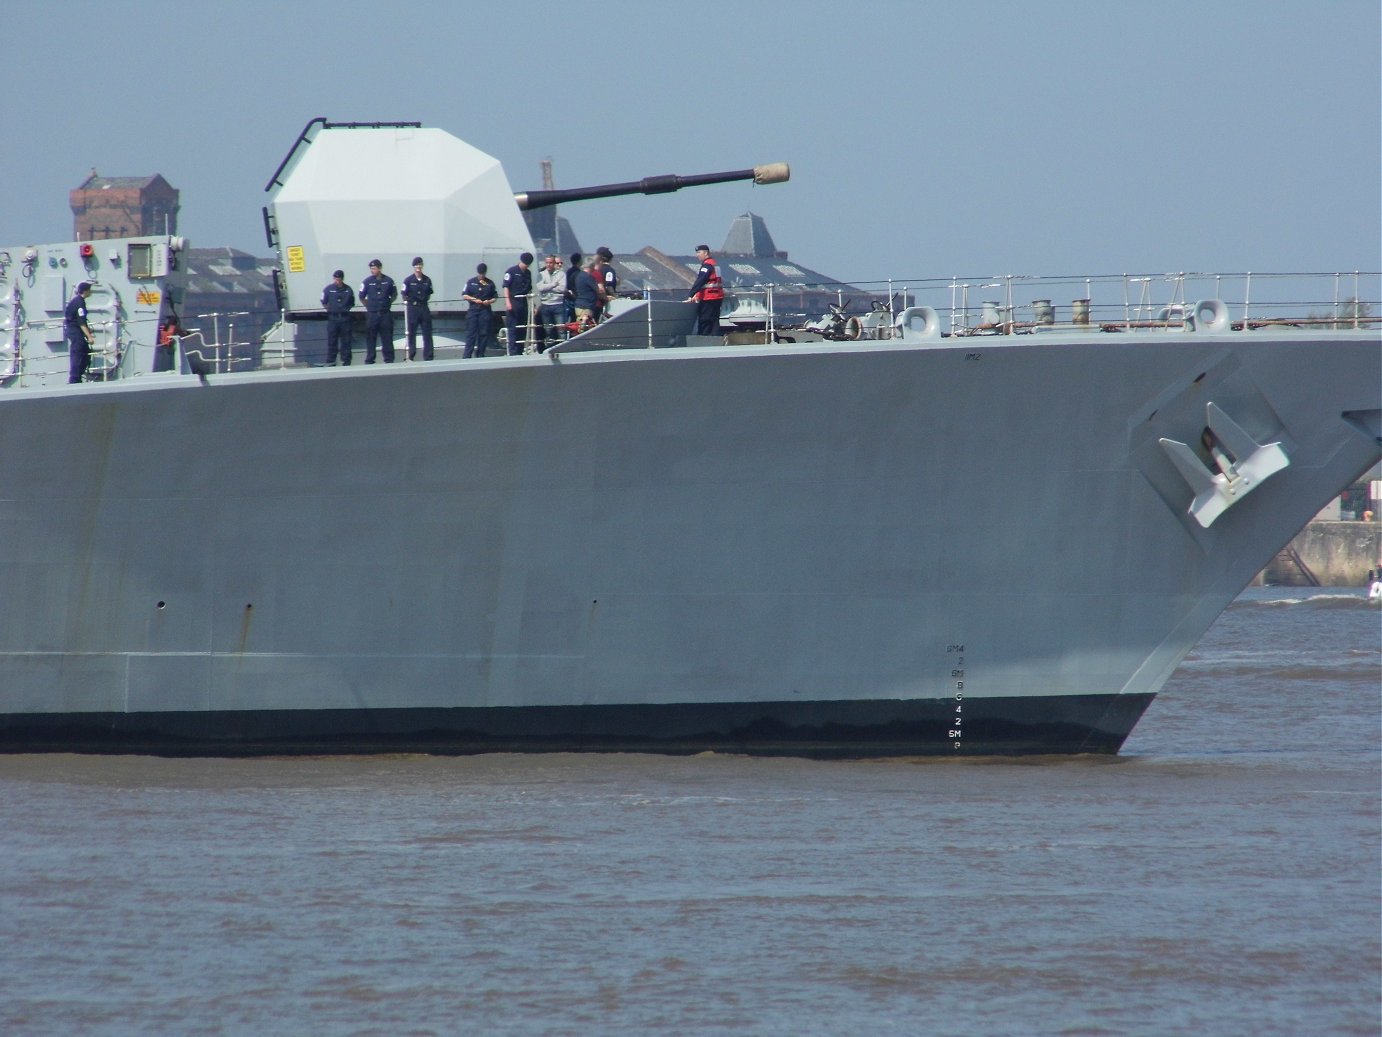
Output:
[[843, 549]]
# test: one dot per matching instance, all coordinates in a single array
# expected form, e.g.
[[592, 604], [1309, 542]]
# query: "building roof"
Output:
[[649, 269], [227, 270], [551, 233], [96, 182], [748, 236]]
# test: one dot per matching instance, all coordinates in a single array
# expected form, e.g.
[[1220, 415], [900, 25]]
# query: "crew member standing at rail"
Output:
[[551, 288], [377, 293], [572, 272], [79, 337], [708, 293], [609, 280], [518, 288], [480, 293], [339, 299], [590, 292], [417, 289], [596, 269], [165, 353]]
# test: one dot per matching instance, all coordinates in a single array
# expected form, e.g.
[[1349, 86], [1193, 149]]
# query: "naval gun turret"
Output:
[[772, 173], [350, 192]]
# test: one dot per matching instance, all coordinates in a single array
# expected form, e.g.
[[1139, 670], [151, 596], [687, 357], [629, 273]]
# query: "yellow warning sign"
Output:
[[297, 260], [147, 297]]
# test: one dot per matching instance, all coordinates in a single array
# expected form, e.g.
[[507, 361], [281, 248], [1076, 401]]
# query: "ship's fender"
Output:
[[918, 322]]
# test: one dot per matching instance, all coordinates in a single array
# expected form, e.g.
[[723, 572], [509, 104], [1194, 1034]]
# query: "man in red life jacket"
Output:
[[165, 353], [708, 292]]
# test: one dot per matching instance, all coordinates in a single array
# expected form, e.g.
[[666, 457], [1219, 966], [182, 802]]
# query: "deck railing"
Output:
[[1014, 304], [1009, 304]]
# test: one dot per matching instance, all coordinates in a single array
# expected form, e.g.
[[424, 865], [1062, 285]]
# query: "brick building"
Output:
[[123, 207]]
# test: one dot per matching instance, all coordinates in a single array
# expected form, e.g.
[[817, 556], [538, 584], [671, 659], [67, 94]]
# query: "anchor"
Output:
[[1243, 463]]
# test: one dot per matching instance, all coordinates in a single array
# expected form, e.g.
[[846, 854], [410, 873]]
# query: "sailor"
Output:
[[708, 293], [480, 293], [79, 337], [417, 289], [339, 299], [518, 287], [377, 293]]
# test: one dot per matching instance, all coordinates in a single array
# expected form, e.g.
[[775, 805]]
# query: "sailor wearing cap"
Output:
[[708, 293], [339, 299], [377, 293], [417, 289], [79, 337], [518, 288]]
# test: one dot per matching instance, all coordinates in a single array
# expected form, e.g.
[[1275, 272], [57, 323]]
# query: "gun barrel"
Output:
[[772, 173]]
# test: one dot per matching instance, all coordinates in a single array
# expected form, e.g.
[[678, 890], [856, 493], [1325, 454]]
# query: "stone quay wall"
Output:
[[1339, 554]]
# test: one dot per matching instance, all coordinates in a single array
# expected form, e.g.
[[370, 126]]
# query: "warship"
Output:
[[951, 533]]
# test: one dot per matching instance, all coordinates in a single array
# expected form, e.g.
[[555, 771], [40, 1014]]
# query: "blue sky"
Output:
[[926, 140]]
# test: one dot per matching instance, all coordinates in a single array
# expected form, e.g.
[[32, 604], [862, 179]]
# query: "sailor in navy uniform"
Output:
[[518, 289], [339, 299], [79, 336], [417, 289], [377, 293], [480, 293]]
